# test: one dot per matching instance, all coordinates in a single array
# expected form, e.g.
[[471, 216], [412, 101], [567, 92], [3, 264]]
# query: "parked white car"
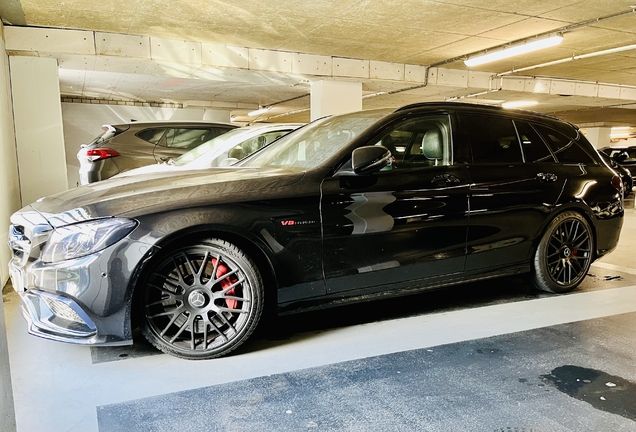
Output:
[[223, 150]]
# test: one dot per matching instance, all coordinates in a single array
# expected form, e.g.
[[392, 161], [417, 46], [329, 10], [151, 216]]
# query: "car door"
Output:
[[404, 223], [515, 183]]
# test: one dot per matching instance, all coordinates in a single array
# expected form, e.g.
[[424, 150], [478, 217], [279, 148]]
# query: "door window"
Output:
[[420, 142], [185, 138], [492, 139]]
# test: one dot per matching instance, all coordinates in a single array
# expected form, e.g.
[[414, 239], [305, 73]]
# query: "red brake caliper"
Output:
[[228, 281]]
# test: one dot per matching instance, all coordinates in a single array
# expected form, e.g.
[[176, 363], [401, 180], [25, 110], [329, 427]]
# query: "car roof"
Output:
[[487, 108], [169, 123]]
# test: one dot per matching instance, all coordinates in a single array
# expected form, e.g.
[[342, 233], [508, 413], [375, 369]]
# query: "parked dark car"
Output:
[[623, 155], [626, 175], [122, 147], [348, 208]]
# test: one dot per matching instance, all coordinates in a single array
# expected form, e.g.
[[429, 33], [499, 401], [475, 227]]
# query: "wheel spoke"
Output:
[[239, 311], [163, 290], [199, 274], [231, 287], [172, 320], [226, 321], [226, 275], [189, 265], [181, 329]]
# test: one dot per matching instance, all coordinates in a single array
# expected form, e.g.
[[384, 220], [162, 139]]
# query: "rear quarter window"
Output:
[[565, 149], [152, 135]]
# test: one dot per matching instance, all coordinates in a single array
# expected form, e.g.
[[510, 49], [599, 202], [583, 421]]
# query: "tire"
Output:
[[564, 254], [188, 313]]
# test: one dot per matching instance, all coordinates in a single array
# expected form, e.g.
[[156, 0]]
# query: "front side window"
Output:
[[420, 142], [492, 139]]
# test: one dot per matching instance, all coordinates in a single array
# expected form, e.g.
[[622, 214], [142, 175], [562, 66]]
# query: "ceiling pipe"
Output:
[[569, 59], [561, 30]]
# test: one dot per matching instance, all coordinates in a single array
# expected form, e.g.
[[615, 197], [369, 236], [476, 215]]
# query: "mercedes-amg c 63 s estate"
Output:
[[351, 207]]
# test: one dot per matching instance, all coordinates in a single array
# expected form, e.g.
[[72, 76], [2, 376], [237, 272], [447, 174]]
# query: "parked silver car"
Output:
[[223, 150], [126, 146]]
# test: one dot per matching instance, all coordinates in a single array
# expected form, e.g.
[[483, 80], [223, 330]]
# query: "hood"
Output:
[[148, 169], [148, 193]]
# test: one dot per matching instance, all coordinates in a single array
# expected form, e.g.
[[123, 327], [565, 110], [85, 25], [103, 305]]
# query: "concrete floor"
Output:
[[491, 356]]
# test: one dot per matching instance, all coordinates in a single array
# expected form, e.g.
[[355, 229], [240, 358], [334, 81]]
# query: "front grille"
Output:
[[26, 240], [19, 244]]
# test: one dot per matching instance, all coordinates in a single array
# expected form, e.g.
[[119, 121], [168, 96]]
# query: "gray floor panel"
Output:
[[514, 382]]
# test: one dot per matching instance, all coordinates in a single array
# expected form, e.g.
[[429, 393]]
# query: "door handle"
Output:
[[547, 177], [445, 178]]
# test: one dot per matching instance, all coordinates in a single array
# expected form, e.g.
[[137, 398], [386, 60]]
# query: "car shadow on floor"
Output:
[[297, 327]]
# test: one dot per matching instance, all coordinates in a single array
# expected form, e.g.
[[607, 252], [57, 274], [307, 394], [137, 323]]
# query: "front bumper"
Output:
[[57, 318], [86, 300]]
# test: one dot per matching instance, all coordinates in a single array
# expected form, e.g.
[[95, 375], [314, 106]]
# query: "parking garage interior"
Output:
[[493, 355]]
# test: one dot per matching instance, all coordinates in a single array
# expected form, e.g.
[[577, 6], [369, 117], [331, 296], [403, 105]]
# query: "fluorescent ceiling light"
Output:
[[519, 104], [524, 48], [617, 128], [258, 112]]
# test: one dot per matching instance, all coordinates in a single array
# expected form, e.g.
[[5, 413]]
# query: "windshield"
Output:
[[314, 144], [233, 136]]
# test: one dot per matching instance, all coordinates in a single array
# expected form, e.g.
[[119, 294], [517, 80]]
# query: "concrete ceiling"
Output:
[[396, 40]]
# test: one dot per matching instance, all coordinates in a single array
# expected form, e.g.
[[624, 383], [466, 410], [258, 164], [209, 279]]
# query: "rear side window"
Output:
[[492, 139], [564, 148], [152, 135], [533, 147]]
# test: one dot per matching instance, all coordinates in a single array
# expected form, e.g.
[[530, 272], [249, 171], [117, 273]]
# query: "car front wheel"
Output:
[[201, 301], [564, 254]]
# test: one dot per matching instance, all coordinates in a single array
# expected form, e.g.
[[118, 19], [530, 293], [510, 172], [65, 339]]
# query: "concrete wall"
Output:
[[9, 202], [83, 122]]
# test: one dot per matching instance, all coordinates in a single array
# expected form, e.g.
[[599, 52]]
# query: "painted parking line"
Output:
[[614, 267]]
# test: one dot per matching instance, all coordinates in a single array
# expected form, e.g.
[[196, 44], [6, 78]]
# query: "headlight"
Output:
[[85, 238]]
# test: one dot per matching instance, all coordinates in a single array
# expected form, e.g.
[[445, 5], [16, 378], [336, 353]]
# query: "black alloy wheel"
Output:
[[201, 301], [564, 254]]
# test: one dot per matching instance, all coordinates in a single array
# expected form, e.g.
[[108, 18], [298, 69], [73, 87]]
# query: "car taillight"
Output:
[[617, 182], [101, 153]]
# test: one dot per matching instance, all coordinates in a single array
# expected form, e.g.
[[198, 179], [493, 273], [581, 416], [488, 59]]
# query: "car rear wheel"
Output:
[[201, 301], [564, 254]]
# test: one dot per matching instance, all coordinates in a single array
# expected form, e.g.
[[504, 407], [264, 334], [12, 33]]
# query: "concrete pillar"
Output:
[[38, 126], [334, 97], [599, 136], [9, 202]]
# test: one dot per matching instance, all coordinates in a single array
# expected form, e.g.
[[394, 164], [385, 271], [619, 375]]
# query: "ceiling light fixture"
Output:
[[523, 48], [519, 104], [258, 112]]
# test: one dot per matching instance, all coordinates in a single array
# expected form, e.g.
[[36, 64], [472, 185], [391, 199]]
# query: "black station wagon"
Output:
[[351, 207]]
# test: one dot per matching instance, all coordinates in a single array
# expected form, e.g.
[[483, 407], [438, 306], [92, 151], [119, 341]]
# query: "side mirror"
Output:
[[370, 159]]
